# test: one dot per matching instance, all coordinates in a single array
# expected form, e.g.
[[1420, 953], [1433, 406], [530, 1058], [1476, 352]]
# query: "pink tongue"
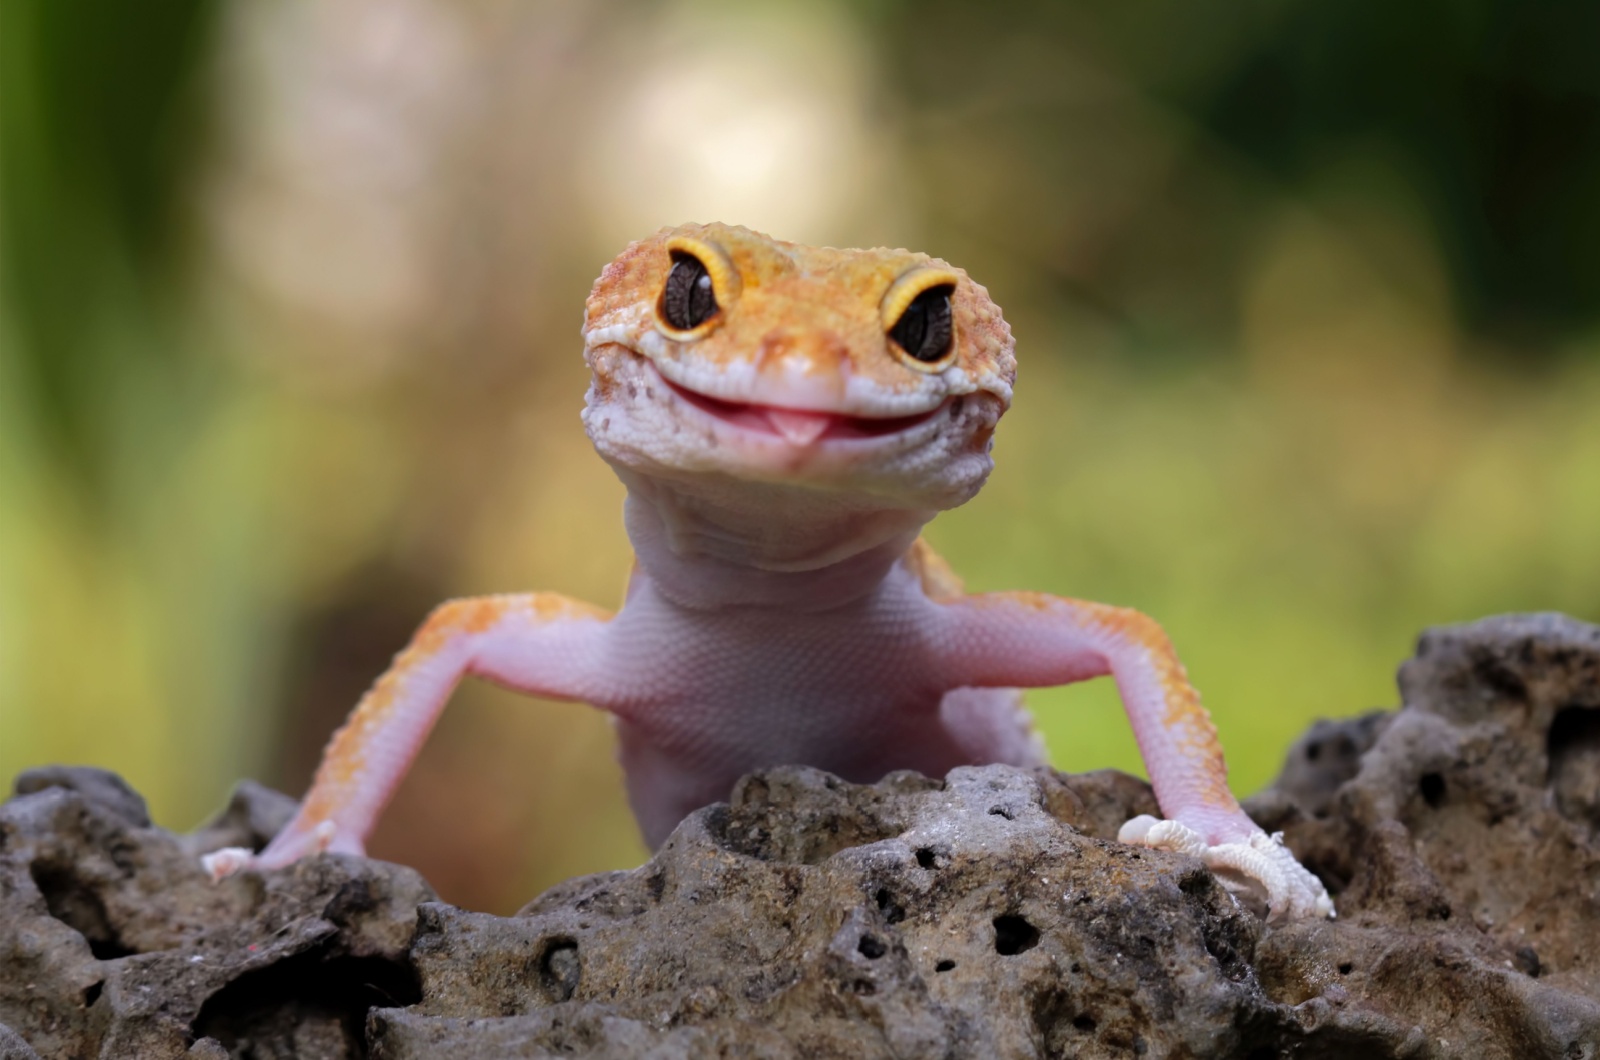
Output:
[[800, 428]]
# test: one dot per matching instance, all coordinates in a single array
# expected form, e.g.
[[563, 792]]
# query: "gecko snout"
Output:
[[803, 351], [807, 368]]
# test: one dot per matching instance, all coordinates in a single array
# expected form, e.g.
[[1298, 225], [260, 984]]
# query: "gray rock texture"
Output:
[[989, 914]]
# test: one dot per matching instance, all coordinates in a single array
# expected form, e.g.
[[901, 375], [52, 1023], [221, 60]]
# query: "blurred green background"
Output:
[[1306, 298]]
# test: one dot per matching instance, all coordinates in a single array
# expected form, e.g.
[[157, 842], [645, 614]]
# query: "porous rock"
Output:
[[988, 914]]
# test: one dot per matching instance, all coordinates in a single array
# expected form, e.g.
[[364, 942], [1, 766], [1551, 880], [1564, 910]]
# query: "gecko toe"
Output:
[[1257, 869], [1262, 865], [221, 864]]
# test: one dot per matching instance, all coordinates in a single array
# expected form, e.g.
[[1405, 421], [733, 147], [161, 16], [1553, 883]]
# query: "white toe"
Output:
[[225, 862], [1259, 865]]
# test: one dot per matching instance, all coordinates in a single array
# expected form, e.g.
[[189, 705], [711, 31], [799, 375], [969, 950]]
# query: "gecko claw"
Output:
[[1258, 866]]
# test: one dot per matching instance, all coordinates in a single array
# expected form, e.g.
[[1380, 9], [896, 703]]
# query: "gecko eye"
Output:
[[689, 299], [925, 330]]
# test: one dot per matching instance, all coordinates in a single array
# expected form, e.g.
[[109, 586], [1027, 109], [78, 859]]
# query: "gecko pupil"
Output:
[[688, 300], [925, 330]]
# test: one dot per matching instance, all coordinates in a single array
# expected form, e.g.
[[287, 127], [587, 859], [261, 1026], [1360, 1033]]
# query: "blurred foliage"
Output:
[[1305, 298], [100, 129], [1481, 119], [1488, 112]]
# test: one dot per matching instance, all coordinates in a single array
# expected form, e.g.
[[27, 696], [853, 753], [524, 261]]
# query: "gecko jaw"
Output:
[[799, 427]]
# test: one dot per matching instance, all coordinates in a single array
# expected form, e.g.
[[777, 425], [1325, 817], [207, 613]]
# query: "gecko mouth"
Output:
[[800, 427]]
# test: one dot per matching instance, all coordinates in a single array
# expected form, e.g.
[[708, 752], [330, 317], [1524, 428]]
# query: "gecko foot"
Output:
[[292, 844], [221, 864], [1257, 865]]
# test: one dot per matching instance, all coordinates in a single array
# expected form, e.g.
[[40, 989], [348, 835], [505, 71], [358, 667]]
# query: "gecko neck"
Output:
[[714, 541]]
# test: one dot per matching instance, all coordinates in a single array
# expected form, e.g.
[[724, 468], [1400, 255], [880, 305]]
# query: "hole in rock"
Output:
[[560, 969], [280, 1010], [74, 902], [1432, 788], [871, 947], [944, 966], [1501, 679], [91, 993], [925, 857], [1313, 751], [1345, 967], [1014, 935], [1573, 728], [1084, 1023], [1573, 746], [893, 912], [1001, 811]]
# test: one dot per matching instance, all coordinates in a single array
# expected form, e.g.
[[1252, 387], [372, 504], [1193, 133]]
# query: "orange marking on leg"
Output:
[[548, 606], [475, 614], [1185, 716], [346, 754], [1184, 711], [1042, 602], [1183, 702]]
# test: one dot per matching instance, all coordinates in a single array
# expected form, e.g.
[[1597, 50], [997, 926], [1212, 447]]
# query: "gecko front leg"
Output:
[[1034, 640], [539, 643]]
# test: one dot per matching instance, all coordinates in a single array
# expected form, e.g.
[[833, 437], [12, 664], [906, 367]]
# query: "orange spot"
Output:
[[1036, 601], [474, 614], [605, 387], [1010, 601], [549, 606], [939, 581]]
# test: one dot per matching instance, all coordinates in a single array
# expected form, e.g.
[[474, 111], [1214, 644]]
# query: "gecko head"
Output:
[[718, 351]]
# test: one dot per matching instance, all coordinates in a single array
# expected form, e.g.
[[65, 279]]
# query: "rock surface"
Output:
[[985, 915]]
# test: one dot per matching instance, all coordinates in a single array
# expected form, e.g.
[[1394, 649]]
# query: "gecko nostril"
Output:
[[806, 352]]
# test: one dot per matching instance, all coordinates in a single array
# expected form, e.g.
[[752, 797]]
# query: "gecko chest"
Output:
[[761, 685]]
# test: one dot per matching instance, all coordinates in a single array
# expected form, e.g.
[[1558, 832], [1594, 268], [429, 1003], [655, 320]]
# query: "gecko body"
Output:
[[786, 420]]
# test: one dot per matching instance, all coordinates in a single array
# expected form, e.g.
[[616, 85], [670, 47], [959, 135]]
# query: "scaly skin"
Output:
[[781, 458]]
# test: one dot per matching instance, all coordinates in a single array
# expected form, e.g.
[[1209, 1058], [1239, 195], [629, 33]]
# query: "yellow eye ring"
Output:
[[726, 285], [902, 296]]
